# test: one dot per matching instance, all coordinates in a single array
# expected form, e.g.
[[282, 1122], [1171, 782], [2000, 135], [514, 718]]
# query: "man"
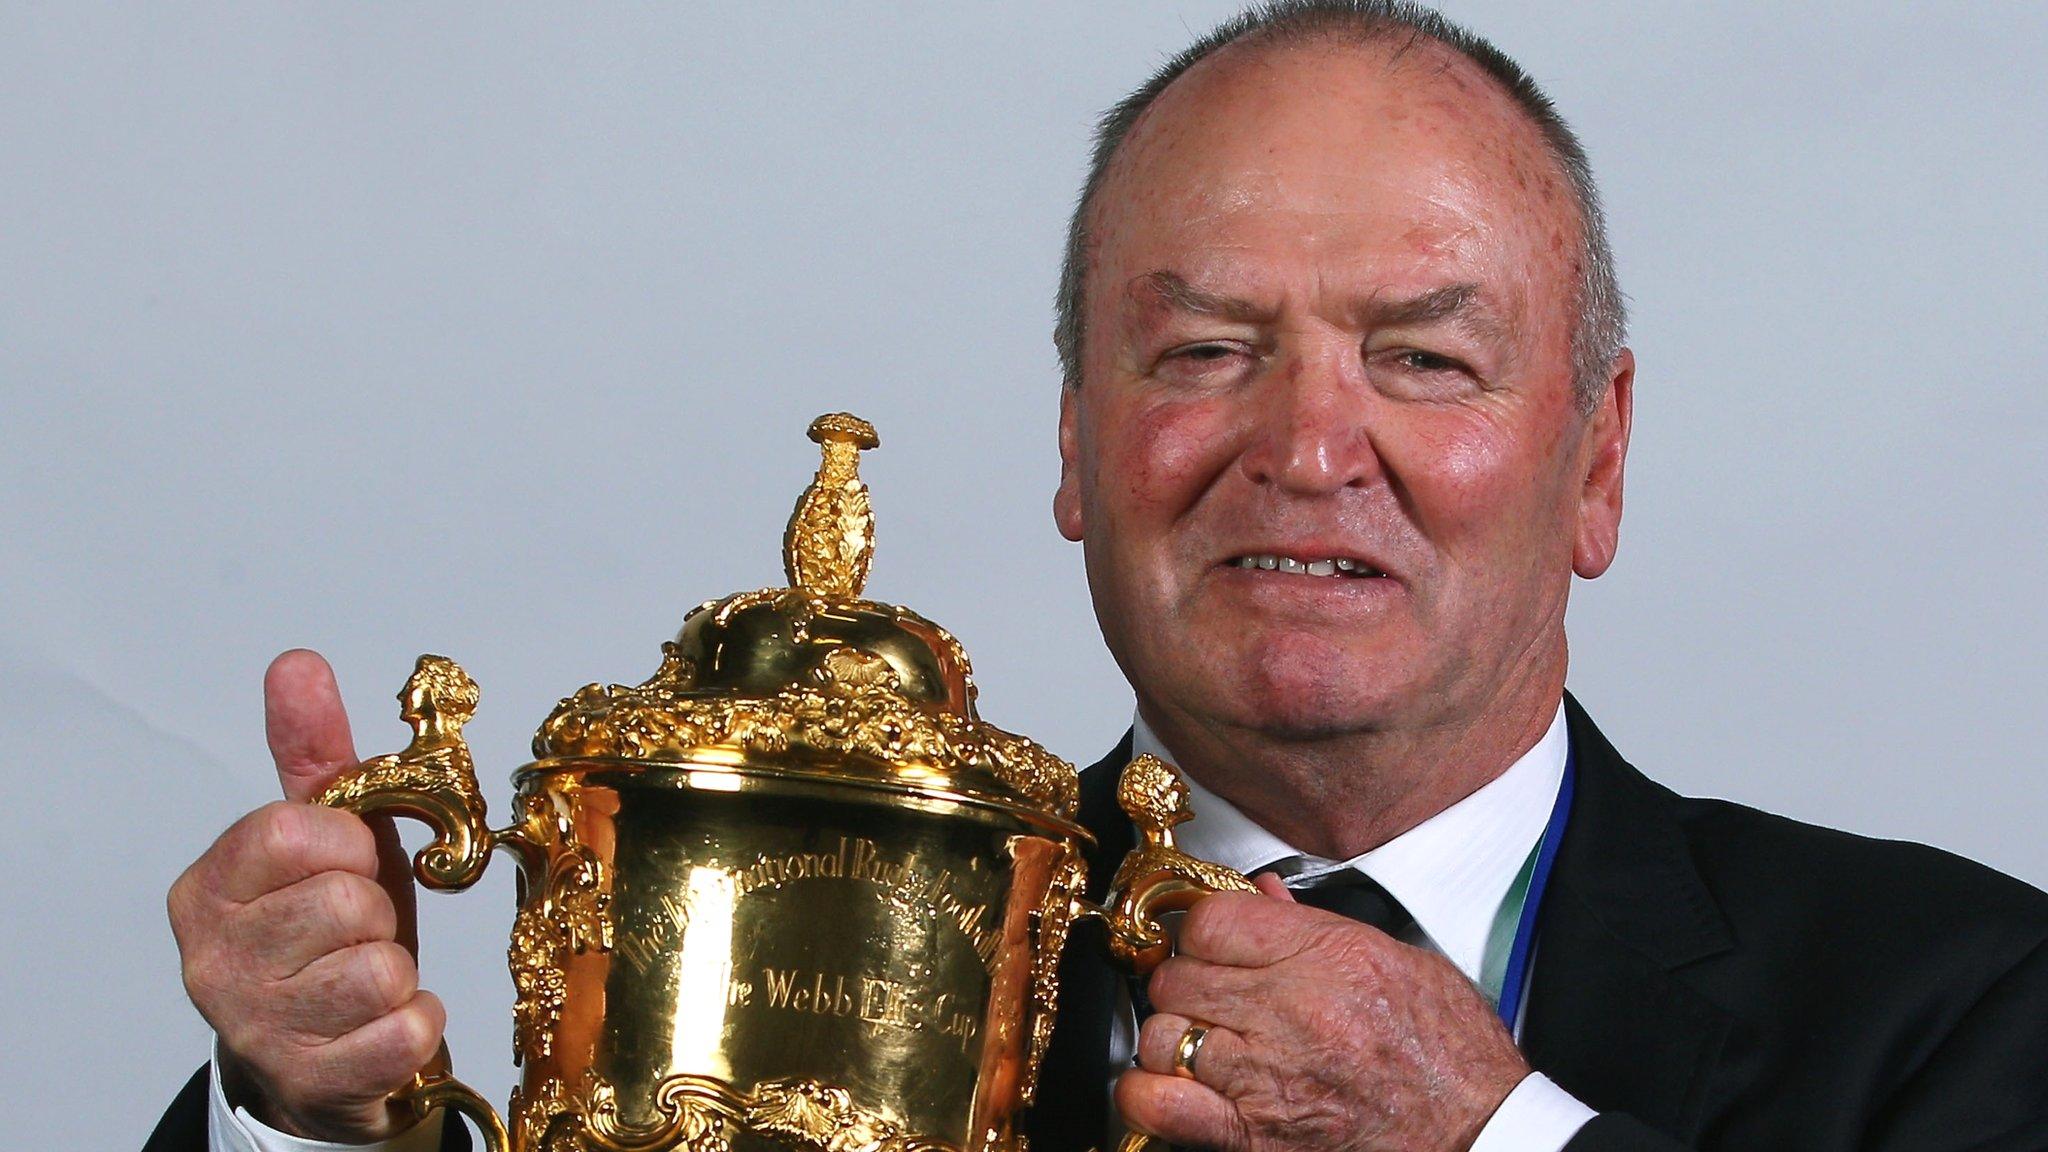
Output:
[[1347, 407]]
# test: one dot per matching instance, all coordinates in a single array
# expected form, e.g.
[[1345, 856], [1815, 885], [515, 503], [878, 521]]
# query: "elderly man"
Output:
[[1347, 408]]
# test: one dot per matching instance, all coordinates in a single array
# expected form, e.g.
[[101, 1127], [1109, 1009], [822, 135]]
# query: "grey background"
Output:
[[493, 331]]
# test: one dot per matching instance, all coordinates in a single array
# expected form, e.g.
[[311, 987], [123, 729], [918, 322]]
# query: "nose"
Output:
[[1311, 433]]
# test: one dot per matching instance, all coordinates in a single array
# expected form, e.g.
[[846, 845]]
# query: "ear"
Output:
[[1606, 453], [1066, 500]]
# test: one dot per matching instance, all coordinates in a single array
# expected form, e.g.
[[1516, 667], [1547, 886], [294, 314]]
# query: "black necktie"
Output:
[[1349, 892]]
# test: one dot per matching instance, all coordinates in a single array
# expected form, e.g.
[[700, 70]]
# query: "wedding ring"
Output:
[[1190, 1046]]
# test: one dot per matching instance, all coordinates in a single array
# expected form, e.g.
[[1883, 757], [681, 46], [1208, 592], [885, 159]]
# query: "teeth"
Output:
[[1271, 562]]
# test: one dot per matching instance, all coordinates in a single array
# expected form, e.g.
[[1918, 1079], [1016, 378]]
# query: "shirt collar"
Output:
[[1451, 872]]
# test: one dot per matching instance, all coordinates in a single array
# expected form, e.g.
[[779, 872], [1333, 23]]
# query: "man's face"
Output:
[[1325, 459]]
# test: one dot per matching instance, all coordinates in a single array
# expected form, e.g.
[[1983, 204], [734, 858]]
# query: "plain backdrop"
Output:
[[493, 330]]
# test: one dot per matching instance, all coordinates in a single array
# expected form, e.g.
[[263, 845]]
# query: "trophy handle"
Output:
[[434, 1087], [433, 781], [1155, 879]]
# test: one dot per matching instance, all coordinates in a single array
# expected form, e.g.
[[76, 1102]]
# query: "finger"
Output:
[[282, 843], [306, 724], [1185, 1113], [397, 1044], [1158, 1037], [1248, 929], [1272, 886], [338, 1090], [286, 930], [1217, 1058], [310, 741], [1215, 993], [342, 991]]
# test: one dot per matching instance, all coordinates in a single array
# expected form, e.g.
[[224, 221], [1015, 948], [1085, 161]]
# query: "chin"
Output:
[[1311, 693]]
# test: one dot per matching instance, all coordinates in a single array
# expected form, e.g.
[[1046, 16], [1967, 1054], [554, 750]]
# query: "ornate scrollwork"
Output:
[[544, 1121], [1154, 796], [816, 667], [831, 537], [434, 779], [1055, 917], [692, 1114], [704, 1114], [567, 913], [1156, 876], [849, 706], [822, 1118]]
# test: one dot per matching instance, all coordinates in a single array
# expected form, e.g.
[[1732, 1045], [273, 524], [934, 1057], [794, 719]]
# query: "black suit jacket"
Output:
[[1707, 976]]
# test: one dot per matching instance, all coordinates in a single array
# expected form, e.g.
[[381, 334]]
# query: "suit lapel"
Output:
[[1072, 1109], [1608, 1019]]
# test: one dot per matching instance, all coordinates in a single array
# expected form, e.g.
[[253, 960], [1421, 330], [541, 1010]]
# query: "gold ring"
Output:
[[1190, 1046]]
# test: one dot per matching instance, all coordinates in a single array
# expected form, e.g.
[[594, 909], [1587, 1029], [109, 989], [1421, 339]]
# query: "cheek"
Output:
[[1155, 458], [1475, 480]]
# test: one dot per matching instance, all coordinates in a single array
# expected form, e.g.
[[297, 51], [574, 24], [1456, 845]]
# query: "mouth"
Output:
[[1327, 567]]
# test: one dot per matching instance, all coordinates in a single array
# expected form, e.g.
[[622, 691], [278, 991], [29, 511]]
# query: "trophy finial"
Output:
[[831, 536]]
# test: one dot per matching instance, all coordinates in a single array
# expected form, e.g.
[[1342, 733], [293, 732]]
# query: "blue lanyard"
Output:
[[1516, 978]]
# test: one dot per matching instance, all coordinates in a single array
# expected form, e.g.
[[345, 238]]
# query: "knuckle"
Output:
[[387, 973], [1171, 981], [419, 1025], [1353, 948], [354, 904], [1156, 1037], [1198, 929], [179, 904], [283, 830], [206, 991]]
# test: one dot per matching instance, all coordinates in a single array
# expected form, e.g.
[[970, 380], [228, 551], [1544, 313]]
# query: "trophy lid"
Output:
[[814, 680]]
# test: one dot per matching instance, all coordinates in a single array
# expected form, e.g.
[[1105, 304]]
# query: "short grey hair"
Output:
[[1602, 313]]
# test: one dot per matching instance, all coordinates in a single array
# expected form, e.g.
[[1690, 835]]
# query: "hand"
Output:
[[1325, 1033], [296, 935]]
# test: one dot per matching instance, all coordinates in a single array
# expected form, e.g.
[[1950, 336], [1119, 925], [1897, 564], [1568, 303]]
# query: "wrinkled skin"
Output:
[[1259, 375], [1324, 1034], [295, 931]]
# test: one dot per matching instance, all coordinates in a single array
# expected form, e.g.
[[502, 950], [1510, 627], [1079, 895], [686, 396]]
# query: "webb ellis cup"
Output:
[[790, 891]]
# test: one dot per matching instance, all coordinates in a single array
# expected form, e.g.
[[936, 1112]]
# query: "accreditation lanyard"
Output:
[[1504, 972]]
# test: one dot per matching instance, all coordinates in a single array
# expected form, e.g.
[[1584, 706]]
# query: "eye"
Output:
[[1205, 353], [1419, 360], [1206, 361], [1421, 373]]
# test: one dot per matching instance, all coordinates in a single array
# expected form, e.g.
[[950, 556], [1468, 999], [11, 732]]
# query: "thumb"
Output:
[[1271, 886], [306, 724], [310, 742]]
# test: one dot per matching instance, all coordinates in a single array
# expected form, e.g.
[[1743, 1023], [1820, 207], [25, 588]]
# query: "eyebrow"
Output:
[[1463, 303], [1451, 302], [1174, 288]]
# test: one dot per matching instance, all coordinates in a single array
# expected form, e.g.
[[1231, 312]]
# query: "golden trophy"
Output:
[[790, 891]]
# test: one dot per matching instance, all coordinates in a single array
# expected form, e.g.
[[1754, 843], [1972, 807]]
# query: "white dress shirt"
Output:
[[230, 1129], [1451, 872]]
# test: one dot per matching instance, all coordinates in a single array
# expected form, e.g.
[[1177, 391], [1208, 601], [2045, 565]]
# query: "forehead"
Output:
[[1400, 162]]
